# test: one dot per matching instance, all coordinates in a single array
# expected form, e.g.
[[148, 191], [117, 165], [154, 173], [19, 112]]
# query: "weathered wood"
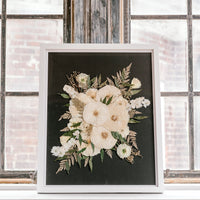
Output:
[[87, 21], [79, 21], [67, 21], [15, 181], [99, 21], [181, 180], [115, 21], [127, 21]]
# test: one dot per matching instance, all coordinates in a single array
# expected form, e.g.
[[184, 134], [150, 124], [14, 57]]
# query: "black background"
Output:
[[112, 171]]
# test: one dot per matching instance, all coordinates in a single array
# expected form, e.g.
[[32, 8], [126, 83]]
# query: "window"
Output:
[[172, 26], [25, 24]]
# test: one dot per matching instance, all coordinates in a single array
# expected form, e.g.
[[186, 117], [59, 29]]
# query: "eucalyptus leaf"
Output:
[[80, 139], [140, 117], [82, 150], [75, 125], [79, 160], [65, 96], [133, 121], [102, 155], [92, 146], [67, 167]]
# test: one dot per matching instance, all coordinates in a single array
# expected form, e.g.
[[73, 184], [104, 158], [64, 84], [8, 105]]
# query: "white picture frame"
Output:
[[42, 187]]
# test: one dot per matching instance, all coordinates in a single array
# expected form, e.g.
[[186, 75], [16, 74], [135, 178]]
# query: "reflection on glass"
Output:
[[197, 133], [175, 126], [171, 38], [35, 7], [196, 7], [21, 133], [196, 54], [23, 51], [158, 7]]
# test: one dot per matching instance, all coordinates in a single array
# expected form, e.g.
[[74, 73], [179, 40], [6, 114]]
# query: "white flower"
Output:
[[70, 90], [123, 151], [120, 101], [102, 138], [84, 99], [124, 132], [82, 80], [108, 91], [137, 103], [64, 139], [85, 127], [76, 134], [146, 102], [135, 83], [95, 113], [92, 93], [74, 121], [58, 151], [69, 144], [118, 118], [89, 150]]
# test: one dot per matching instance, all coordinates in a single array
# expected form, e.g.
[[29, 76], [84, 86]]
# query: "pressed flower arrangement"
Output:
[[99, 114]]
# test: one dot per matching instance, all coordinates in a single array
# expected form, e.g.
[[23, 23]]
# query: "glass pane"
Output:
[[175, 126], [0, 6], [171, 38], [23, 51], [21, 130], [35, 7], [197, 132], [158, 7], [196, 7], [196, 54]]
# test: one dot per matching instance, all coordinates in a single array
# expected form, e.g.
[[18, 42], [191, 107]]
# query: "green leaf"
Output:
[[133, 92], [102, 155], [75, 125], [104, 100], [66, 105], [79, 160], [140, 117], [70, 133], [109, 100], [91, 164], [82, 150], [67, 167], [92, 146], [80, 139], [133, 121], [118, 136], [65, 96]]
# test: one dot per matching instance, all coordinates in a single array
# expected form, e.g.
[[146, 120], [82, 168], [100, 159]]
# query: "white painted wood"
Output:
[[41, 186], [167, 195]]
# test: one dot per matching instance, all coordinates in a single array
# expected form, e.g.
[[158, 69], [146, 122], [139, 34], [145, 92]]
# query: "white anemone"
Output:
[[108, 91], [92, 93], [118, 118], [96, 113], [102, 138]]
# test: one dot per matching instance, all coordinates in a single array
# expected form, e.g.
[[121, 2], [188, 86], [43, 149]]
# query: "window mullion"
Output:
[[190, 85], [3, 80]]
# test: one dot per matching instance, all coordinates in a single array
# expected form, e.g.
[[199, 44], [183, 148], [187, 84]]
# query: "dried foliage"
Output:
[[72, 80], [131, 139], [66, 115], [109, 152]]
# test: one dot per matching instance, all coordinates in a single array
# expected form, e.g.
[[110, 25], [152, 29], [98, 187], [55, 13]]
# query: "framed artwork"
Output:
[[99, 121]]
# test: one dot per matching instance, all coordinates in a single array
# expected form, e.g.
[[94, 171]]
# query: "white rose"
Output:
[[70, 90], [82, 80], [123, 151], [135, 83], [58, 151]]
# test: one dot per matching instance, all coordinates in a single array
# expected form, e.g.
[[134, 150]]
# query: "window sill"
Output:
[[28, 192]]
